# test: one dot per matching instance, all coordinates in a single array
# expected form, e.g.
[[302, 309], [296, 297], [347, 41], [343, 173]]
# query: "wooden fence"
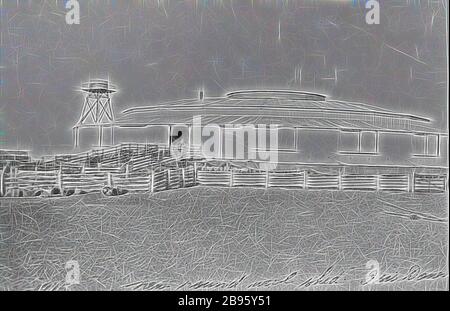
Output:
[[147, 167], [95, 179], [28, 183], [315, 181]]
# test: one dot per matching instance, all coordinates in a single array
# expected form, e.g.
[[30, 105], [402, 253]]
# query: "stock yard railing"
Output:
[[150, 168], [32, 183], [29, 183], [315, 181]]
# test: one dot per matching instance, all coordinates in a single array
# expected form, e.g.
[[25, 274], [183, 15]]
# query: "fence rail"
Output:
[[315, 181], [174, 178], [150, 168]]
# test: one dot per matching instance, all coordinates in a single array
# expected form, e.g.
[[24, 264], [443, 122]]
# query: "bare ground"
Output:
[[171, 240]]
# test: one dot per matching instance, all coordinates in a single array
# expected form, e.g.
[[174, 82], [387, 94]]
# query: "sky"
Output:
[[157, 51]]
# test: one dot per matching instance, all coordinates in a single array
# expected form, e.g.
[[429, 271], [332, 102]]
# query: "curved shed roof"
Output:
[[283, 107]]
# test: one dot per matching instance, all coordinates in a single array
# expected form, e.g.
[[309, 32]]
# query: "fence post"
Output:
[[183, 183], [305, 180], [267, 178], [60, 181], [168, 179], [444, 182], [195, 173], [2, 181], [109, 179], [340, 180], [152, 181], [231, 177], [15, 188]]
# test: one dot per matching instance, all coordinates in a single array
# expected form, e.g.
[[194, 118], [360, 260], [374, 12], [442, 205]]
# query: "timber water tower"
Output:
[[97, 110]]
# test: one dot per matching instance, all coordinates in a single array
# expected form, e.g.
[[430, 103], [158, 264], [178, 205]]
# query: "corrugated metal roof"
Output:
[[285, 108]]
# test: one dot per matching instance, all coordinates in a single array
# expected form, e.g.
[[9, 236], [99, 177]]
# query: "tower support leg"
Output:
[[112, 136], [169, 139], [100, 136], [76, 137]]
